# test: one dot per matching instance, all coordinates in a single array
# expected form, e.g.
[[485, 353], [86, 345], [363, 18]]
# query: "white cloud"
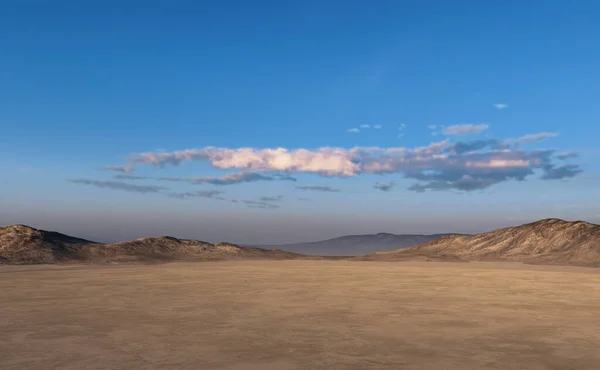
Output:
[[500, 106], [535, 137], [440, 165], [377, 126], [465, 129], [432, 127], [353, 130], [365, 126]]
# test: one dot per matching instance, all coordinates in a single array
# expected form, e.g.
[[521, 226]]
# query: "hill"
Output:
[[359, 245], [20, 244], [548, 241]]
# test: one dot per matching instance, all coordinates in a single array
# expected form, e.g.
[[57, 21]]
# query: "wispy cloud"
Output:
[[317, 188], [232, 178], [353, 130], [119, 169], [132, 177], [466, 165], [465, 129], [119, 185], [552, 172], [259, 204], [500, 106], [384, 186], [432, 127], [567, 155], [229, 179], [402, 126], [213, 194], [276, 198], [365, 126], [526, 139]]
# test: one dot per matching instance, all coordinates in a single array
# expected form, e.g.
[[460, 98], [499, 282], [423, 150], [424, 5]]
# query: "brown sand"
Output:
[[300, 315]]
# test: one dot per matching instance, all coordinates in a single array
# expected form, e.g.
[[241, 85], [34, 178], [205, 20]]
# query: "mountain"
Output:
[[358, 245], [548, 241], [20, 244]]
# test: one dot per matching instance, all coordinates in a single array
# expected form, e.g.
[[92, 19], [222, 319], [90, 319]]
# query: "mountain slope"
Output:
[[358, 245], [20, 244], [548, 241]]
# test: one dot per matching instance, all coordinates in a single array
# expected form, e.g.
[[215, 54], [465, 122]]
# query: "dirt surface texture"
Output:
[[299, 315]]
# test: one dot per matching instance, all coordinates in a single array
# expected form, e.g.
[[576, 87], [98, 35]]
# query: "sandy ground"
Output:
[[300, 315]]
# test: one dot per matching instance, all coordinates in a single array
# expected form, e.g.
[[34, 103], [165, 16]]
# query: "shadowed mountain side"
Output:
[[358, 245], [21, 244], [548, 241]]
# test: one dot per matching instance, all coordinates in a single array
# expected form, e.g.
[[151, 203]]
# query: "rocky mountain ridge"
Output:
[[21, 244], [548, 241]]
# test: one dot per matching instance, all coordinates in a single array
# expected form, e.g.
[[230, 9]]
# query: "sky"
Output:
[[271, 122]]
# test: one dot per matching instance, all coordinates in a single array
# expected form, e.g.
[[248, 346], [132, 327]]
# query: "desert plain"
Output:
[[300, 315]]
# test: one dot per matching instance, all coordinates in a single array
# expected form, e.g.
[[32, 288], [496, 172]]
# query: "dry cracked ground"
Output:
[[284, 315]]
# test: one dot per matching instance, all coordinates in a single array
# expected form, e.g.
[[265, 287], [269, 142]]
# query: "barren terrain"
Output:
[[284, 315]]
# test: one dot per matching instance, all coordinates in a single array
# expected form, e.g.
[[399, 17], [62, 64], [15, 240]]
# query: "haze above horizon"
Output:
[[276, 122]]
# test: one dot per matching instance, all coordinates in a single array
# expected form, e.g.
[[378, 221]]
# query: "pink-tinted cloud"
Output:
[[440, 165]]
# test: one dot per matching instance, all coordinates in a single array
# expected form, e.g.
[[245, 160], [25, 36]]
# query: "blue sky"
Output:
[[87, 88]]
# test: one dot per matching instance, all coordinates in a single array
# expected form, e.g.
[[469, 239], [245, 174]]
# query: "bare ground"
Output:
[[300, 315]]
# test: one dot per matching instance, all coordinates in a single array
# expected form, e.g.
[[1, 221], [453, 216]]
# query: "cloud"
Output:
[[400, 135], [384, 187], [535, 137], [119, 185], [500, 106], [432, 127], [259, 204], [213, 194], [476, 145], [464, 183], [377, 126], [231, 179], [272, 199], [402, 126], [119, 169], [465, 129], [567, 155], [353, 130], [365, 126], [317, 188], [131, 177], [552, 172], [463, 165]]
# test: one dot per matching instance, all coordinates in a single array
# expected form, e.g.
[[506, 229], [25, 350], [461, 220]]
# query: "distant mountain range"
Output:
[[548, 241], [20, 244], [358, 245]]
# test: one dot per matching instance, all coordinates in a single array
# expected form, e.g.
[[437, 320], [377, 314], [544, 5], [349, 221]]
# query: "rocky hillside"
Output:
[[358, 245], [549, 241], [21, 244]]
